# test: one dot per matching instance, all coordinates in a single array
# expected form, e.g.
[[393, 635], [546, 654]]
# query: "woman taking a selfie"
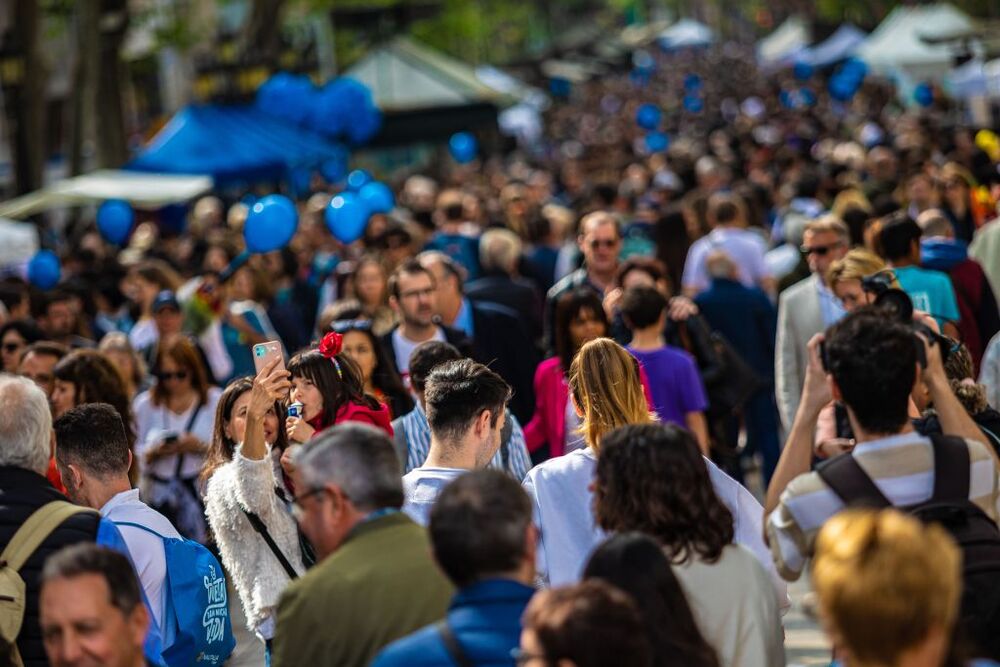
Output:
[[329, 387], [248, 494]]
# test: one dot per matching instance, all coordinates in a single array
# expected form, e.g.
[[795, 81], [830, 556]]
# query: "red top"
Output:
[[353, 412]]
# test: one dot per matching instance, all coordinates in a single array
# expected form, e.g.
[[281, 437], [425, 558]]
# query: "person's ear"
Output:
[[394, 303], [834, 389], [482, 425], [130, 458], [75, 476], [138, 625]]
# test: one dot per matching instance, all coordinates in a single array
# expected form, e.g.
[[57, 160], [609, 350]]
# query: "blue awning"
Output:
[[233, 144]]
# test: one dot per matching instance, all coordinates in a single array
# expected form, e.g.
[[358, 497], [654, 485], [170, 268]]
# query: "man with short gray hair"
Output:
[[375, 580], [25, 447]]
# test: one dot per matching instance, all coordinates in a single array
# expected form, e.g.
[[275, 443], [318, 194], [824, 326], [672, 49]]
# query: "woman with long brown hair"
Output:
[[653, 479], [248, 494], [174, 422]]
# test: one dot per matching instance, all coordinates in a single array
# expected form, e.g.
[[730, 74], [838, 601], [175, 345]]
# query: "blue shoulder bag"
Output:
[[196, 625]]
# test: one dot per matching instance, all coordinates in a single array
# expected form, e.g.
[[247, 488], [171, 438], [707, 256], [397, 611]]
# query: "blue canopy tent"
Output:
[[234, 145], [838, 46]]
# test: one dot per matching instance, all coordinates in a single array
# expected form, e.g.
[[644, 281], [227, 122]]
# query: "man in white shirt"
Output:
[[465, 403], [93, 457]]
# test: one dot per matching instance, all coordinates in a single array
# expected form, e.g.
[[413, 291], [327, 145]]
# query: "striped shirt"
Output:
[[901, 466], [418, 444]]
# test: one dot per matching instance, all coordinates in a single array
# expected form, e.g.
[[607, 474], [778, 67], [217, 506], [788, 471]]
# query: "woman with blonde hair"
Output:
[[845, 277], [607, 393], [876, 600]]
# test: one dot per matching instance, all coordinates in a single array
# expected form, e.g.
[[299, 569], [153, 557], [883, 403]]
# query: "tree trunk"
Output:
[[262, 31], [28, 131], [112, 150]]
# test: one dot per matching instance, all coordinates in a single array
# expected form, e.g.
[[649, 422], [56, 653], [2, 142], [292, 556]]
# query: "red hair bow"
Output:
[[331, 345]]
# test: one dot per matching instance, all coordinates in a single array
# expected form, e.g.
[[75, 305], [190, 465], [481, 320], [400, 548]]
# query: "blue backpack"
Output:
[[196, 629]]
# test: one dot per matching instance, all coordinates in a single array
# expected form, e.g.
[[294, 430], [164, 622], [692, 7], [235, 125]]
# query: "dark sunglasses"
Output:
[[12, 347], [820, 250], [179, 375], [606, 243], [343, 326]]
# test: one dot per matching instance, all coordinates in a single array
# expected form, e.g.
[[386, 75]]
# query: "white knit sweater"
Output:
[[257, 575]]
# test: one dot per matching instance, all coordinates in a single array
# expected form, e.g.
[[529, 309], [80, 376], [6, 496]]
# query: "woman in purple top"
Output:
[[676, 387]]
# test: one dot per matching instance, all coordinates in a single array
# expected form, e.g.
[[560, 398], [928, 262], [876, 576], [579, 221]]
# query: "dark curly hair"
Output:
[[651, 478]]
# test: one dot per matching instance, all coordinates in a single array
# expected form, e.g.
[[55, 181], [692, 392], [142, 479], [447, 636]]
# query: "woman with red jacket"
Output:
[[329, 387], [580, 318]]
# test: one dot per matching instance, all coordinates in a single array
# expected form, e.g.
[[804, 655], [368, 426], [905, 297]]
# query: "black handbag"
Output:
[[735, 385]]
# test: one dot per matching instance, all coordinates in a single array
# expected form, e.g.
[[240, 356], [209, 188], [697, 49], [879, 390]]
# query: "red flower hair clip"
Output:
[[330, 347]]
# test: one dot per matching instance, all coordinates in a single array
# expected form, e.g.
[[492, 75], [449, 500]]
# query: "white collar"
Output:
[[122, 498]]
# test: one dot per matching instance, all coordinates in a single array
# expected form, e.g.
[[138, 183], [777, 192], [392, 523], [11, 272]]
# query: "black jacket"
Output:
[[456, 337], [515, 293], [21, 493], [501, 341]]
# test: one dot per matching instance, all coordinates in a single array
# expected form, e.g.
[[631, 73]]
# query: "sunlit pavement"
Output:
[[805, 643]]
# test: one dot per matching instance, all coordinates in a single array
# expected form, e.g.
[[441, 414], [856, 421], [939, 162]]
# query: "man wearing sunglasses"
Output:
[[600, 242], [806, 309]]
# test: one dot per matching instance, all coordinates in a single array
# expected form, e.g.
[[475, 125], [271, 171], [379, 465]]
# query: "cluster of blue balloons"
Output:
[[463, 147], [923, 94], [846, 82], [693, 102], [342, 108], [348, 213], [648, 117]]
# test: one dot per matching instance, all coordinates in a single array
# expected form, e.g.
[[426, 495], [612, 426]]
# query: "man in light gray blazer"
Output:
[[805, 309]]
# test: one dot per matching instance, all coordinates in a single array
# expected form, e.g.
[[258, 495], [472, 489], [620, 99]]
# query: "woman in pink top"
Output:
[[330, 388], [580, 318]]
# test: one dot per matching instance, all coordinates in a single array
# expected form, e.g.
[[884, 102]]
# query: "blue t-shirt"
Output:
[[463, 249], [931, 291], [674, 383]]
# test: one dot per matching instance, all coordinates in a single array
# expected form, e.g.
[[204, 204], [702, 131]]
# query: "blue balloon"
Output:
[[842, 89], [344, 108], [854, 69], [289, 96], [114, 220], [347, 216], [657, 142], [803, 71], [377, 197], [463, 147], [648, 116], [358, 179], [923, 94], [693, 103], [271, 224], [692, 82], [44, 270], [560, 87]]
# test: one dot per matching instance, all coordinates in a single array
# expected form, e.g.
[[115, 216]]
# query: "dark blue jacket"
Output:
[[747, 319], [486, 620]]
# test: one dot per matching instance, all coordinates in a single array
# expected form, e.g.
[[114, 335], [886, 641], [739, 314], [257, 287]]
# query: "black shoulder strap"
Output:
[[451, 644], [850, 482], [951, 468], [180, 457], [259, 526]]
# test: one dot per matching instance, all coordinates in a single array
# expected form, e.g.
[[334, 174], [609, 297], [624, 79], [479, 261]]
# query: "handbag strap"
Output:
[[259, 526], [451, 645], [846, 478]]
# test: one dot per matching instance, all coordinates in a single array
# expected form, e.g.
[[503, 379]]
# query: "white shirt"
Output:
[[421, 488], [145, 548], [403, 347], [153, 422], [560, 493]]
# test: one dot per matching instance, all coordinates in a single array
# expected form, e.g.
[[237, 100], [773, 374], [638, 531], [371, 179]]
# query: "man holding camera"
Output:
[[872, 363]]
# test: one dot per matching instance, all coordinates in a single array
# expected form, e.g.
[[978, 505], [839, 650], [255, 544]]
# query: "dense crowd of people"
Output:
[[583, 404]]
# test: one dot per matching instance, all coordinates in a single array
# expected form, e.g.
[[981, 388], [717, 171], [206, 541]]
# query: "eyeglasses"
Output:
[[179, 375], [418, 293], [820, 250], [12, 347], [521, 657], [602, 243], [343, 326], [297, 508]]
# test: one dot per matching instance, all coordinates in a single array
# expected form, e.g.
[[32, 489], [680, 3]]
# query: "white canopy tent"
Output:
[[142, 190], [686, 33], [782, 45], [18, 242], [897, 47]]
